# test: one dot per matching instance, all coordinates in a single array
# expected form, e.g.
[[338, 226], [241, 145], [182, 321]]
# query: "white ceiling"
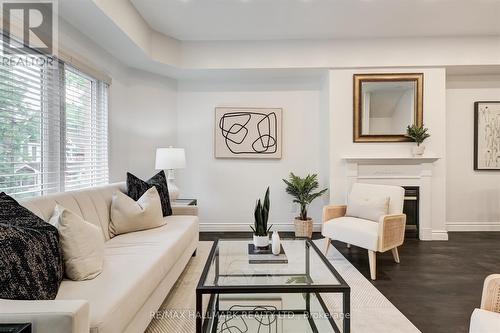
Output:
[[307, 19]]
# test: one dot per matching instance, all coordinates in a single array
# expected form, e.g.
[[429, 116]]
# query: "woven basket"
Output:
[[303, 228]]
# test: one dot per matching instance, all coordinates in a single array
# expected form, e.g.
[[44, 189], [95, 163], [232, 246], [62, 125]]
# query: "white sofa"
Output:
[[139, 270]]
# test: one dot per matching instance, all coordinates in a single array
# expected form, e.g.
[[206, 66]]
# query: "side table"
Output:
[[184, 206]]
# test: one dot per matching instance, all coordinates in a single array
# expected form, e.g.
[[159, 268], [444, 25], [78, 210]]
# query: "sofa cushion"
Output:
[[92, 204], [137, 187], [31, 263], [81, 242], [352, 230], [128, 215], [134, 265], [395, 193], [483, 321], [367, 207]]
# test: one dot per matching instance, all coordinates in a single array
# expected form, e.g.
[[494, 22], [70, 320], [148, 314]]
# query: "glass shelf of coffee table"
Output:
[[271, 297]]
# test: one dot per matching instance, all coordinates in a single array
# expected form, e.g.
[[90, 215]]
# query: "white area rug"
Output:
[[371, 312]]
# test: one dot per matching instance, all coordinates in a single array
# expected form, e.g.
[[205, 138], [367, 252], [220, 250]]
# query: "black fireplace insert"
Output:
[[411, 208]]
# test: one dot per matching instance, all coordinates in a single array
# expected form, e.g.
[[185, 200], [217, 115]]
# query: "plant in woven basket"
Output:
[[417, 133], [302, 189], [261, 215]]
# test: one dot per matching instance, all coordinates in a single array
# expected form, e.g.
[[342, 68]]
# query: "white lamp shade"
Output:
[[170, 158]]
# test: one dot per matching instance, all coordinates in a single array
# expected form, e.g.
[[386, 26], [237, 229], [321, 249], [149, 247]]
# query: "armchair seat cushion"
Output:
[[353, 230], [483, 321]]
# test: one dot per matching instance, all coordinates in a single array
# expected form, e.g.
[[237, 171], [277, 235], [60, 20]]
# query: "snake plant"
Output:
[[261, 215]]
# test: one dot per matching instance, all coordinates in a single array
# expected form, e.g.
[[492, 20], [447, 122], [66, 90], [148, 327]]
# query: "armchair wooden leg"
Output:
[[327, 245], [348, 245], [372, 259], [395, 254]]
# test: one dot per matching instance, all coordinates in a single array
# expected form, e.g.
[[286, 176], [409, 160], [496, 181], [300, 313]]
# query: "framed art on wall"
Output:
[[487, 135], [248, 132]]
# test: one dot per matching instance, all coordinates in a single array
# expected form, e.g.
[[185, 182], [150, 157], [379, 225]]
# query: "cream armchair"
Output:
[[375, 236], [487, 318]]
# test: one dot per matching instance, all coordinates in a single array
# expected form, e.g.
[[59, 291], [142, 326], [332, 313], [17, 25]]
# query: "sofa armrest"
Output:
[[185, 210], [333, 211], [483, 321], [391, 231], [51, 316]]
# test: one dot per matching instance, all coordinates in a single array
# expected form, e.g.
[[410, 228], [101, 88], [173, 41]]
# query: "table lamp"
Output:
[[170, 159]]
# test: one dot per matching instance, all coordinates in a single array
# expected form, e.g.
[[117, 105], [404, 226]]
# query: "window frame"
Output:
[[53, 141]]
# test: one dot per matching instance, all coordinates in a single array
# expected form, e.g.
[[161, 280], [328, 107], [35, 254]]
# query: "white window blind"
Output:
[[86, 131], [53, 129]]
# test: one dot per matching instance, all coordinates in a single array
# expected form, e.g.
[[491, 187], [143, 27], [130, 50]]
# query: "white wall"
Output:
[[473, 196], [228, 188], [341, 142], [142, 107], [142, 118]]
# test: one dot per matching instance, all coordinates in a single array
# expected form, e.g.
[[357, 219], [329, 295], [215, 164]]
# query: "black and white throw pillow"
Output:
[[31, 262], [137, 187]]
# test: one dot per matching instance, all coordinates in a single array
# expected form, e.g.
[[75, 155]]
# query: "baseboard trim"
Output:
[[473, 226], [242, 227], [439, 235], [428, 234]]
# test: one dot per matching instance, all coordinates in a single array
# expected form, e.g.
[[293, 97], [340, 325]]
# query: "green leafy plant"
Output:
[[302, 190], [261, 215], [417, 133]]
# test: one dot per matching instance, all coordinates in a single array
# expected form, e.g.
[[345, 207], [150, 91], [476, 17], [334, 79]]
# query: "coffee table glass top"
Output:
[[229, 266]]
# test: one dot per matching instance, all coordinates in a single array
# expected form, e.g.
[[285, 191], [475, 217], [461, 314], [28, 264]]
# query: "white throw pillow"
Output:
[[82, 244], [367, 207], [128, 215]]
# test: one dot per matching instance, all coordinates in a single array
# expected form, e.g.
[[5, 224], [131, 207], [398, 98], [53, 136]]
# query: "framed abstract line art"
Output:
[[248, 132], [487, 135]]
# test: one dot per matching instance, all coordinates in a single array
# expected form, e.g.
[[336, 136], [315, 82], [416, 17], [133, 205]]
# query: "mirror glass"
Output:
[[387, 108]]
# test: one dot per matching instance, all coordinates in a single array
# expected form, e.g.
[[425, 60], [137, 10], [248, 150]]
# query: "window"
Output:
[[53, 129], [86, 131]]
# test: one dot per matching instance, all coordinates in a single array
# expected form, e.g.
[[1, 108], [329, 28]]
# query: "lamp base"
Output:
[[173, 190]]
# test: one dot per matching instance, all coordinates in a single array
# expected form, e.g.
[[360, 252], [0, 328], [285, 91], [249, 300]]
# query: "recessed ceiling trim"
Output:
[[142, 47]]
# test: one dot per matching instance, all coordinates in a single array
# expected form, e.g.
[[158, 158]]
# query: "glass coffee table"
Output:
[[257, 298]]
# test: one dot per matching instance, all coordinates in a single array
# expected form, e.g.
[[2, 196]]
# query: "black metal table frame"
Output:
[[216, 290], [16, 327]]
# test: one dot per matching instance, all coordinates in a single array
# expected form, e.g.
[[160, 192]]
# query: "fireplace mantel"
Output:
[[390, 159]]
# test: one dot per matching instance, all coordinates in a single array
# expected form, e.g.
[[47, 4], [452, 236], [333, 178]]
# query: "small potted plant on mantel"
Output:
[[418, 134], [302, 191], [260, 229]]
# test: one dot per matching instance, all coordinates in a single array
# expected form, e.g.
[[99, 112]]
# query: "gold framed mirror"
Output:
[[385, 104]]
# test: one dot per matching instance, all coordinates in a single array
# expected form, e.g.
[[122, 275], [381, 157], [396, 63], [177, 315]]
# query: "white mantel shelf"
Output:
[[391, 159]]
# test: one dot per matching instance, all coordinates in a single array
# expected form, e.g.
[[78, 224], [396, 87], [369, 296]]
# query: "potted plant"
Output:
[[418, 134], [260, 229], [302, 191]]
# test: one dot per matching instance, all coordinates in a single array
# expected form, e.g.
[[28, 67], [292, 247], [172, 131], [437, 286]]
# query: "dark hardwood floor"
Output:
[[437, 285]]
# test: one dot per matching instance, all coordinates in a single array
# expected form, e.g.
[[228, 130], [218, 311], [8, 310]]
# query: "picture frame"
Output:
[[487, 135], [248, 132], [360, 81]]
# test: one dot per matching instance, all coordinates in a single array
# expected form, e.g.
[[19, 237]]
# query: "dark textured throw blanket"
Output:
[[31, 263]]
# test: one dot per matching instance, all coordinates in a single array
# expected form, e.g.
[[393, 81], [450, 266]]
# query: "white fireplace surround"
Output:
[[401, 171]]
